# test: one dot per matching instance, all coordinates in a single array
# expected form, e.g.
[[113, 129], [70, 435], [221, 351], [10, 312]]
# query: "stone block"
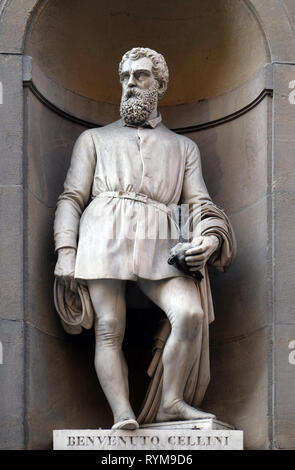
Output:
[[197, 424], [63, 390], [11, 119], [49, 150], [14, 19], [11, 252], [240, 385], [40, 267], [284, 193], [234, 159], [284, 386], [242, 294], [147, 439], [277, 28], [11, 385]]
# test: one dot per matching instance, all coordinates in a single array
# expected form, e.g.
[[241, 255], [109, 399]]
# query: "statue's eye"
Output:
[[141, 75], [124, 77]]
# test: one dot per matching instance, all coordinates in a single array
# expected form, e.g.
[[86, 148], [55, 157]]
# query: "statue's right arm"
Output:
[[71, 203]]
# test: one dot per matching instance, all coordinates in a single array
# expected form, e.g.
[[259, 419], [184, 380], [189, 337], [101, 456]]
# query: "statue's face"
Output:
[[139, 90], [137, 73]]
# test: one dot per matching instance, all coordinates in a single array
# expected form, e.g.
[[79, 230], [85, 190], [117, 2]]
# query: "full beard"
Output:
[[137, 105]]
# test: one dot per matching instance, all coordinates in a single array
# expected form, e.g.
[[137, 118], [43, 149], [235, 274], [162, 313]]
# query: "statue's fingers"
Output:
[[197, 241], [57, 270], [204, 250], [195, 251], [194, 259]]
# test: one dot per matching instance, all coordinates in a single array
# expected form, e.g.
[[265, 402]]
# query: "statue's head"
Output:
[[144, 77]]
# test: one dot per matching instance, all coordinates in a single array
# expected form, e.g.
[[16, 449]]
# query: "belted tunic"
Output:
[[118, 204]]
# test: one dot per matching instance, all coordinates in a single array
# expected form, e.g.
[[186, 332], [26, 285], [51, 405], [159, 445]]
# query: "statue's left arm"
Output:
[[71, 203], [213, 238]]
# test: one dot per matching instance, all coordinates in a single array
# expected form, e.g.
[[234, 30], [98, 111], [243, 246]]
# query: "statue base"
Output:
[[197, 424], [200, 434]]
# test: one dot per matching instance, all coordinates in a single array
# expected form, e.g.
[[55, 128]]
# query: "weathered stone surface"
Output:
[[49, 150], [202, 48], [221, 106], [239, 387], [236, 169], [284, 193], [15, 15], [242, 309], [290, 10], [40, 267], [197, 424], [284, 386], [63, 390], [11, 120], [234, 159], [235, 166], [284, 233], [11, 252], [143, 439], [12, 385], [277, 28]]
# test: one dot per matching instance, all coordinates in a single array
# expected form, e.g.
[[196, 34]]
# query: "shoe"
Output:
[[129, 424]]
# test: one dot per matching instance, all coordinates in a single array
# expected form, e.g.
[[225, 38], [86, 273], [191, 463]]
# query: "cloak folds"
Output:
[[76, 312]]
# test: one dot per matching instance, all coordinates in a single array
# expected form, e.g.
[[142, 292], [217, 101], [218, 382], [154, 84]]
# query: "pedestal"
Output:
[[202, 434]]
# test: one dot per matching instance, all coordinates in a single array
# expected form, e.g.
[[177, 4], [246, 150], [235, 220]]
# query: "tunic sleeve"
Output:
[[75, 196], [194, 190], [200, 216]]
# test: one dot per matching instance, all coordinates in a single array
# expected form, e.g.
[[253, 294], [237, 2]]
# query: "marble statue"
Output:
[[116, 221]]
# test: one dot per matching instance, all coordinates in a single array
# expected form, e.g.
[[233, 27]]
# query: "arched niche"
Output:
[[219, 95], [211, 49]]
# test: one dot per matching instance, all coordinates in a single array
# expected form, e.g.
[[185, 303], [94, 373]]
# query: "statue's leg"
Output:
[[108, 299], [180, 299]]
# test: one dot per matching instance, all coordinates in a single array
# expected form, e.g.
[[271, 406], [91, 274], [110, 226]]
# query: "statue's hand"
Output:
[[200, 251], [65, 267]]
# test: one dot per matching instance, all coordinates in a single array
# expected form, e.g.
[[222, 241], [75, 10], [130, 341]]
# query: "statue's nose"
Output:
[[131, 81]]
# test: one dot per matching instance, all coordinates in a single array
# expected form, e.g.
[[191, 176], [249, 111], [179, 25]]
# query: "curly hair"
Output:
[[160, 68]]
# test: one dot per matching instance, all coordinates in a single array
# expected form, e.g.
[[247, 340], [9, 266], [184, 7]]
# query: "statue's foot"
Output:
[[130, 424], [181, 411]]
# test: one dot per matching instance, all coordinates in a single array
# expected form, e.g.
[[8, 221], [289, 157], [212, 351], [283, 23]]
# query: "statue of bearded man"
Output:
[[114, 222]]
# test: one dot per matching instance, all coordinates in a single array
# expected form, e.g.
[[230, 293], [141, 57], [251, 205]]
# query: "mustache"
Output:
[[133, 93]]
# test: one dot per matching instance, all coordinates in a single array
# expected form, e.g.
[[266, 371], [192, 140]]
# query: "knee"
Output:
[[189, 321], [193, 317], [109, 331]]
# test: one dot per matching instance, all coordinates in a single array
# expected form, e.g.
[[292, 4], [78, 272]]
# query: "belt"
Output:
[[139, 197]]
